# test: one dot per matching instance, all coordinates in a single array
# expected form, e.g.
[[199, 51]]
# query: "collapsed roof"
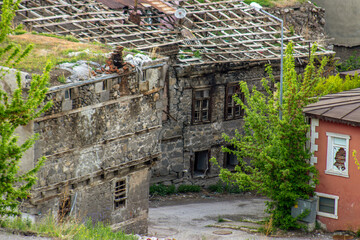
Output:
[[211, 31]]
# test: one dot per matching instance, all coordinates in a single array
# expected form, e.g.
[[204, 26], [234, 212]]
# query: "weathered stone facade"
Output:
[[100, 138], [184, 142], [181, 138]]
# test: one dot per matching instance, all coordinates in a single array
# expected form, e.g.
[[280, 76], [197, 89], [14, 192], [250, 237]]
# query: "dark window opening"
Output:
[[64, 208], [327, 205], [201, 163], [104, 85], [67, 94], [230, 160], [120, 194], [201, 103], [233, 110]]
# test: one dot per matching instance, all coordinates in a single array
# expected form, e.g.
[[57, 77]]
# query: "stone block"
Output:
[[144, 86]]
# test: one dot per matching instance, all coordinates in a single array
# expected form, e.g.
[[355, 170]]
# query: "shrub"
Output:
[[162, 190], [221, 187], [351, 63], [189, 188]]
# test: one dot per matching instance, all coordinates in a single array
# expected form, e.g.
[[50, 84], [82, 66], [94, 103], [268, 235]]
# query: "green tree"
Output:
[[16, 109], [279, 162]]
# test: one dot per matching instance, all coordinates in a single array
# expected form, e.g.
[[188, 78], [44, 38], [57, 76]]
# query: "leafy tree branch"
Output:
[[17, 108]]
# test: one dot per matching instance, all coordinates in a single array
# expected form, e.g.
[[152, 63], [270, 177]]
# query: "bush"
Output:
[[189, 188], [221, 187], [335, 84], [162, 190], [352, 63]]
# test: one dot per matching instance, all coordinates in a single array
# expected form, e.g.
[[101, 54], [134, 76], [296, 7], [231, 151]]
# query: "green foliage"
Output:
[[352, 63], [71, 229], [263, 3], [220, 219], [189, 188], [197, 54], [279, 166], [291, 31], [61, 79], [334, 84], [17, 109], [67, 37], [221, 187], [162, 190]]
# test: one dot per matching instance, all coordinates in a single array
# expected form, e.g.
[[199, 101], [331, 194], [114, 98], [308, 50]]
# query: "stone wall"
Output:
[[181, 139], [105, 132], [306, 19]]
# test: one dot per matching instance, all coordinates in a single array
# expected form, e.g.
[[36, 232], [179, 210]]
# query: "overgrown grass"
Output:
[[189, 188], [273, 3], [221, 187], [352, 63], [57, 49], [70, 229], [162, 190]]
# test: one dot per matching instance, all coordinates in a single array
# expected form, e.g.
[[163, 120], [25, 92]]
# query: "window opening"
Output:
[[120, 194], [327, 205], [233, 110], [201, 163], [230, 160], [104, 85], [67, 94], [201, 104]]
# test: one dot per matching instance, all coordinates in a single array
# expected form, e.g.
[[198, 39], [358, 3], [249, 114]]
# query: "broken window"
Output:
[[201, 103], [233, 110], [337, 155], [230, 159], [201, 163], [327, 205], [120, 194]]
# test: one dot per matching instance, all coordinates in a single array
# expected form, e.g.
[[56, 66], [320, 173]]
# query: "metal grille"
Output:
[[120, 194]]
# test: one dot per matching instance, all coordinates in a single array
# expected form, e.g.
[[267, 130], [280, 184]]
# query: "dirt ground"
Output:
[[207, 216]]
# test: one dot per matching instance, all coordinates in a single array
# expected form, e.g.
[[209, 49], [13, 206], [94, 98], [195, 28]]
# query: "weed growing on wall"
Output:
[[279, 166]]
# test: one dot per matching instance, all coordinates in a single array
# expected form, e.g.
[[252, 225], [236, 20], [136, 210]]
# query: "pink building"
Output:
[[335, 134]]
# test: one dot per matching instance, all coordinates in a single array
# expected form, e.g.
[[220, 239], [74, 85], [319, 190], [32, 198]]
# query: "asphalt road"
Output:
[[192, 221]]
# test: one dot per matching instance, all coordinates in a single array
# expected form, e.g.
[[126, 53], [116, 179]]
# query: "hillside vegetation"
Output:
[[276, 3], [57, 50]]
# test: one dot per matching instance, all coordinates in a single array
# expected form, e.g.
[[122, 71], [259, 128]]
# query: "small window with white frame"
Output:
[[337, 154], [327, 205]]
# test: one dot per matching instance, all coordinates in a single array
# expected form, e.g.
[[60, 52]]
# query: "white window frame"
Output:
[[330, 161], [323, 214]]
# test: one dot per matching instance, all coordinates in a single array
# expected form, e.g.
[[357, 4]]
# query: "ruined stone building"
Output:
[[100, 138], [103, 134]]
